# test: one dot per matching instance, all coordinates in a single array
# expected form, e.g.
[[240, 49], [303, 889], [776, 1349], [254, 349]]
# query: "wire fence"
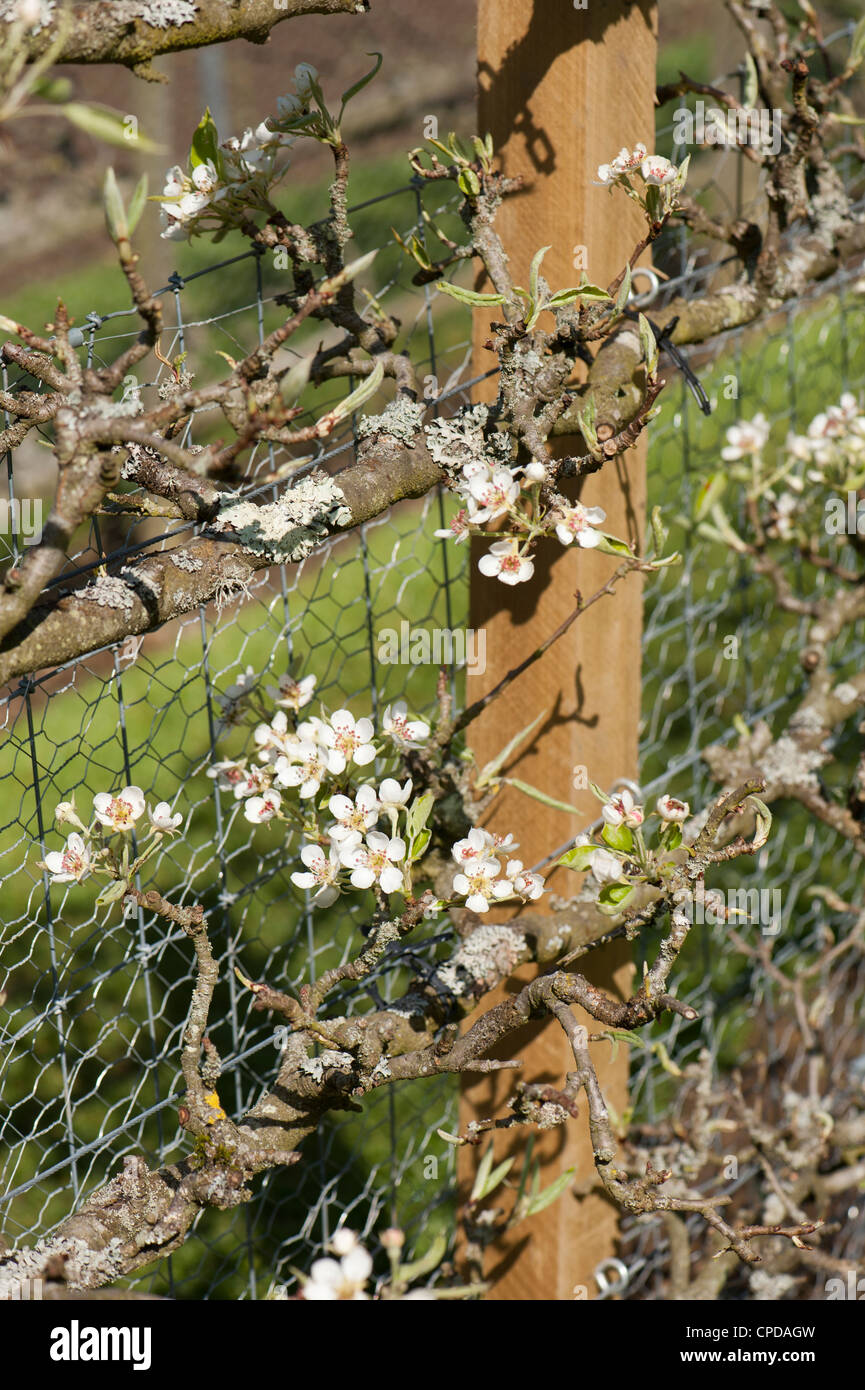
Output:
[[91, 1029]]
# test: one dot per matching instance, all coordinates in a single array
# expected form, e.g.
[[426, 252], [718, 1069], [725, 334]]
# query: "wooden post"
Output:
[[562, 89]]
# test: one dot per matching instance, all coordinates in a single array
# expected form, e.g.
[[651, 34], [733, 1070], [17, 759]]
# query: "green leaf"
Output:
[[579, 858], [136, 207], [359, 85], [611, 545], [764, 822], [469, 183], [113, 893], [541, 796], [550, 1194], [416, 1269], [490, 769], [618, 837], [615, 894], [624, 292], [848, 120], [709, 493], [296, 378], [535, 271], [419, 845], [468, 296], [419, 813], [115, 212], [752, 83], [671, 835], [56, 89], [563, 297], [356, 398], [488, 1178], [347, 274], [857, 45], [104, 124], [659, 533], [648, 345], [205, 143]]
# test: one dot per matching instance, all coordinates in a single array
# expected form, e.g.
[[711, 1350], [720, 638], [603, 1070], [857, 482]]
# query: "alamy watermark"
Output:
[[20, 1290], [23, 517], [755, 906], [438, 646], [845, 517], [760, 127]]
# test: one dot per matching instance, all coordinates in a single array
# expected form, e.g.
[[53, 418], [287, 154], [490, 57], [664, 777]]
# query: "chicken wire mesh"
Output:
[[91, 1028]]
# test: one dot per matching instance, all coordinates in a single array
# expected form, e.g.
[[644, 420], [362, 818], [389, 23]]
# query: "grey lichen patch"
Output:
[[847, 693], [291, 527], [401, 419], [148, 590], [83, 1267], [550, 1115], [161, 14], [109, 591], [9, 12], [489, 955], [329, 1060], [787, 764], [183, 560], [459, 440], [464, 439], [771, 1288]]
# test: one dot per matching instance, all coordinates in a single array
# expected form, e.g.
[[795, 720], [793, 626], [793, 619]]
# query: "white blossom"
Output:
[[322, 874], [476, 886], [350, 737], [620, 810], [578, 524], [522, 882], [345, 1279], [505, 563], [493, 496], [119, 812], [459, 529], [606, 867], [747, 438], [375, 861], [162, 819], [256, 780], [353, 817], [310, 763], [304, 76], [65, 814], [291, 693], [393, 796], [669, 809], [260, 809], [228, 774], [70, 864], [477, 846], [404, 732], [658, 170], [274, 738]]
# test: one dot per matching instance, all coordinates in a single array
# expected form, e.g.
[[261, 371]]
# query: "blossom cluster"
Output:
[[661, 179], [830, 454], [321, 758], [225, 181], [622, 859], [491, 490], [343, 1276], [86, 853], [480, 879]]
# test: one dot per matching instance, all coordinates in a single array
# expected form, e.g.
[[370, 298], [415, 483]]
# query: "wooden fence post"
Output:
[[562, 89]]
